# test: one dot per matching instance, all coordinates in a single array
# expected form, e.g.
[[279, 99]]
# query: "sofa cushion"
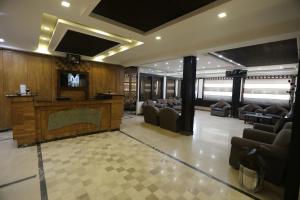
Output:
[[220, 104], [283, 138]]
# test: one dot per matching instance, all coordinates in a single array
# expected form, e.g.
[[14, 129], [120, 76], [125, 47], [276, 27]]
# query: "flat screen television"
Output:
[[70, 79]]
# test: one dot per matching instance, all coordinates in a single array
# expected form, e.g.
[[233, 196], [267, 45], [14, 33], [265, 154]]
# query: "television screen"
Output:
[[72, 79]]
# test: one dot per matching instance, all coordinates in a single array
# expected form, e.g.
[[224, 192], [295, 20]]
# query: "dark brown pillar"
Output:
[[236, 94], [188, 94]]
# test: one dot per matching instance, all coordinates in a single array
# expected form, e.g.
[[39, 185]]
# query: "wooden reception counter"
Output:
[[35, 121]]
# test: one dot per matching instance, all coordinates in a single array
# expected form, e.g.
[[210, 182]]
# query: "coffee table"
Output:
[[256, 118]]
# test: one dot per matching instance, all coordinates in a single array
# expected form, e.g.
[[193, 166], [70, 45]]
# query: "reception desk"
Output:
[[35, 121]]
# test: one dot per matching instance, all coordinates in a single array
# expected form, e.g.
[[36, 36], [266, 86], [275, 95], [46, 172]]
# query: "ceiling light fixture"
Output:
[[208, 62], [181, 61], [2, 40], [45, 38], [46, 28], [167, 63], [220, 56], [222, 15], [158, 37], [65, 4]]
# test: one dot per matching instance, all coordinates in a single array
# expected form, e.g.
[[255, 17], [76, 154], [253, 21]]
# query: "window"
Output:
[[267, 91], [200, 88], [218, 89]]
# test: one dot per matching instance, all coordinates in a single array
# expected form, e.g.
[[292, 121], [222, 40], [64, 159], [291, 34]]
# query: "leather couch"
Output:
[[250, 108], [151, 114], [272, 147], [221, 109], [169, 119]]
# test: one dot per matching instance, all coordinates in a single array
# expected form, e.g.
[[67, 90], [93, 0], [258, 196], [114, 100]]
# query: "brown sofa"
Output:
[[151, 114], [169, 119], [250, 108], [272, 147], [276, 112]]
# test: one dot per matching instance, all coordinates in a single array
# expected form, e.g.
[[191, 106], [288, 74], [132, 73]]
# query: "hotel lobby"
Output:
[[121, 100]]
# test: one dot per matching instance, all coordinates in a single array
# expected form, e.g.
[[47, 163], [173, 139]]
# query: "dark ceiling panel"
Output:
[[146, 15], [83, 44], [274, 53]]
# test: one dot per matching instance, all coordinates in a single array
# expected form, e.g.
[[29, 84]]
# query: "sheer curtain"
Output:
[[218, 89], [267, 91]]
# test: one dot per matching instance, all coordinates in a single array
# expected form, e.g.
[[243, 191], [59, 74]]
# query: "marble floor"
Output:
[[207, 150], [138, 162]]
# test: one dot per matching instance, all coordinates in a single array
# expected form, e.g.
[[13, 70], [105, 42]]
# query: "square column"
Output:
[[188, 94]]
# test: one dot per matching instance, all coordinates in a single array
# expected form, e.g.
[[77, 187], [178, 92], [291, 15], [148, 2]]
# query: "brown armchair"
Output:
[[272, 128], [273, 149], [150, 114], [169, 119], [221, 109]]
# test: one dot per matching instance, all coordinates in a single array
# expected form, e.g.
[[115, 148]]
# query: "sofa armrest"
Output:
[[244, 143], [272, 151], [264, 127], [258, 135], [213, 105]]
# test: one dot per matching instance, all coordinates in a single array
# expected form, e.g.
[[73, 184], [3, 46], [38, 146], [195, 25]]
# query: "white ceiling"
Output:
[[247, 22]]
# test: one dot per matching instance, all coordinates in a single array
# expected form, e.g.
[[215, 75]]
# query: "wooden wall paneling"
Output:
[[40, 77], [15, 73]]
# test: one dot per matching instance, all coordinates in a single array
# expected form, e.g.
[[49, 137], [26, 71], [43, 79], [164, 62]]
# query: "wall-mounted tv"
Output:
[[69, 79]]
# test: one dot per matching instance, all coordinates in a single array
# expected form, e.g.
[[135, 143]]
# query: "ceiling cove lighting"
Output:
[[222, 15], [2, 40], [158, 37], [65, 4]]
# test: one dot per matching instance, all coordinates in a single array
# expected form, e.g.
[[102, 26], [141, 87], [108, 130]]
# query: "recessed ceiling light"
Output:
[[46, 28], [155, 65], [197, 58], [65, 4], [2, 40], [167, 63], [208, 62], [220, 56], [222, 14], [158, 37], [181, 61], [45, 38]]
